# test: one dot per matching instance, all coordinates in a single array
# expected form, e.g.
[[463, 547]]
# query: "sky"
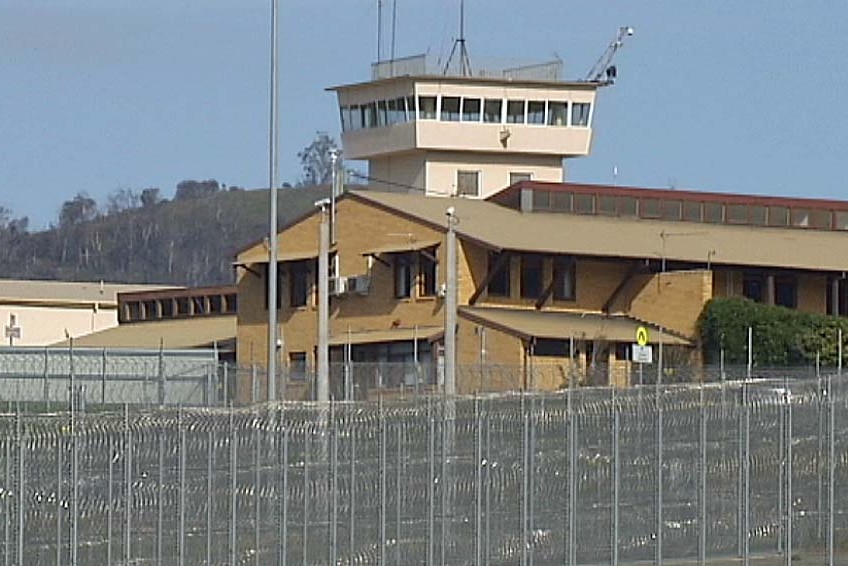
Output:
[[100, 95]]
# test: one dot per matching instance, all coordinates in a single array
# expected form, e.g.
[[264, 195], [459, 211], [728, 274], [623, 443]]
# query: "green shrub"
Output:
[[781, 336]]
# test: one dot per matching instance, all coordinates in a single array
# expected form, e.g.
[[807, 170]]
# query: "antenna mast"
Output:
[[464, 61]]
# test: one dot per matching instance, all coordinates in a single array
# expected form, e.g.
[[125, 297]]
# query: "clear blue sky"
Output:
[[97, 95]]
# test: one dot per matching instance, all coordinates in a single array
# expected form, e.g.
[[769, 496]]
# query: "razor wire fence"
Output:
[[672, 474]]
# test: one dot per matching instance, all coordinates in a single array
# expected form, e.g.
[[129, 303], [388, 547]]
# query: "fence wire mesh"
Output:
[[675, 474]]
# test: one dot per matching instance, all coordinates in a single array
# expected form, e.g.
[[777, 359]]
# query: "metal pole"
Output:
[[488, 494], [525, 449], [7, 506], [478, 484], [382, 483], [182, 501], [334, 487], [257, 488], [572, 464], [59, 504], [398, 491], [233, 487], [127, 487], [21, 484], [450, 304], [210, 444], [659, 487], [334, 192], [323, 375], [284, 492], [431, 488], [74, 470], [306, 447], [616, 466], [702, 479], [111, 498], [272, 213], [789, 503], [160, 496], [746, 525], [352, 517], [348, 370], [750, 368]]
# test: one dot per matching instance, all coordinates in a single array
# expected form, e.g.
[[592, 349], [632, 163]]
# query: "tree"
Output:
[[316, 160], [189, 189], [150, 197], [81, 208], [122, 199]]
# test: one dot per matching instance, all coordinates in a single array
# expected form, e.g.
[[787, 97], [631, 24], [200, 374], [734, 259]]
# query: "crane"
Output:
[[603, 66]]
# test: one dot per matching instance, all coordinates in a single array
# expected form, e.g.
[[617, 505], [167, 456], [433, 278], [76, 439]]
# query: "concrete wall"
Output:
[[44, 325]]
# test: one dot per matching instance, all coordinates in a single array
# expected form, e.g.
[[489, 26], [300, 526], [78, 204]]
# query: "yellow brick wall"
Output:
[[812, 293], [674, 300], [502, 349]]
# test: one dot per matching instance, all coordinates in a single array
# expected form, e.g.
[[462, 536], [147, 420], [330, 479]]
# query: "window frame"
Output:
[[478, 180], [531, 282]]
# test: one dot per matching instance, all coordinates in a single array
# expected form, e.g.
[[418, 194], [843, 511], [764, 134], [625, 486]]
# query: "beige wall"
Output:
[[45, 325], [674, 300], [405, 171], [812, 289]]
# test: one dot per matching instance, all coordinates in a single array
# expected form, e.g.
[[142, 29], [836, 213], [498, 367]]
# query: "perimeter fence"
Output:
[[711, 473]]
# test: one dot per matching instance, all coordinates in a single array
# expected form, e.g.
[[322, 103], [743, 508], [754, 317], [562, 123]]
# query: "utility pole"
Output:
[[322, 393], [272, 220], [450, 305]]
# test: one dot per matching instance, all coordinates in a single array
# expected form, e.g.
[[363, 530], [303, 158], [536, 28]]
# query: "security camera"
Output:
[[451, 211], [629, 30], [279, 343]]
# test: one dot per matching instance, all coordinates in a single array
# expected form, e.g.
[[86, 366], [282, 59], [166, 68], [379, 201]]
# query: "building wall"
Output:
[[501, 349], [674, 300], [48, 324], [405, 171]]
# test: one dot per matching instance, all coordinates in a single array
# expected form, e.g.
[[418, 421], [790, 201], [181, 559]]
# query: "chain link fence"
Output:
[[676, 474]]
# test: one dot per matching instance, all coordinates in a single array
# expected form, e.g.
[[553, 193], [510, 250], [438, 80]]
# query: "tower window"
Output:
[[580, 113], [470, 109], [515, 112], [427, 107], [450, 109], [558, 113], [536, 112], [468, 183], [493, 111]]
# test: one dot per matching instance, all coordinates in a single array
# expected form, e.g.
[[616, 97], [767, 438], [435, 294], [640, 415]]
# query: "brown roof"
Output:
[[173, 334], [564, 325], [498, 227], [381, 336], [60, 292]]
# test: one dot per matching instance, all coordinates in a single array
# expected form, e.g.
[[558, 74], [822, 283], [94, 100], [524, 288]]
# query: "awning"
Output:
[[382, 336], [263, 255], [176, 334], [401, 247], [529, 324]]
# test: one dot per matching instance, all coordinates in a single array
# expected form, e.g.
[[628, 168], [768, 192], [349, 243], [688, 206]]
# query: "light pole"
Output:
[[272, 220], [450, 305]]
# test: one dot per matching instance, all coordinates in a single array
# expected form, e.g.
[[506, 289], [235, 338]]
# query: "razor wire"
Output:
[[665, 474]]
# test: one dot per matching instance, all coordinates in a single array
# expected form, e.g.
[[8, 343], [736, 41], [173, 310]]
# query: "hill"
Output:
[[188, 242]]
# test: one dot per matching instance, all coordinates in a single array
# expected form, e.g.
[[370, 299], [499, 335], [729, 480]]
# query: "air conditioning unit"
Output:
[[338, 286], [359, 284]]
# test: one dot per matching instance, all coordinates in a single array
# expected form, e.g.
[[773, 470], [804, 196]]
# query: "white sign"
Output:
[[13, 332], [642, 354]]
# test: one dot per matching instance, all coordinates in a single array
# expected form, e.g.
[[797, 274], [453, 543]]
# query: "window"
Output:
[[383, 113], [470, 109], [231, 303], [410, 108], [800, 217], [584, 204], [345, 116], [713, 212], [355, 118], [606, 205], [394, 117], [450, 109], [531, 276], [167, 308], [753, 288], [565, 279], [427, 107], [558, 113], [404, 275], [757, 215], [541, 199], [562, 201], [184, 305], [671, 209], [518, 177], [580, 113], [299, 283], [692, 211], [493, 111], [134, 310], [736, 214], [786, 292], [499, 283], [468, 183], [150, 312], [297, 366], [536, 112], [626, 206], [649, 208], [778, 216], [841, 220], [370, 115], [216, 304], [821, 219], [550, 347], [427, 274], [515, 112]]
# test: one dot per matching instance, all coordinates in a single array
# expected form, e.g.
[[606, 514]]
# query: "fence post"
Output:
[[254, 393], [789, 505], [382, 482], [478, 484], [746, 525], [431, 489], [111, 499], [659, 464], [103, 378], [210, 445], [127, 486], [352, 518], [284, 491], [7, 507], [59, 506], [257, 501], [572, 469], [182, 500], [616, 466], [161, 373], [525, 457], [233, 485], [702, 478]]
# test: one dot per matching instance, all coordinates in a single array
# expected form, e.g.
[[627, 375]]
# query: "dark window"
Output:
[[778, 216], [299, 284], [558, 113], [427, 273], [649, 208], [753, 288], [427, 107], [606, 205], [403, 275], [134, 309], [167, 308], [622, 351], [626, 206], [736, 214], [821, 219], [786, 292], [382, 113], [297, 366], [758, 215], [216, 304], [536, 112], [468, 183], [671, 209], [410, 108], [515, 112], [531, 276], [550, 347], [580, 113], [150, 311], [492, 111], [541, 199], [692, 211], [231, 303], [370, 111], [713, 212], [562, 201], [584, 204], [565, 279], [471, 109], [355, 118], [393, 113], [450, 109], [184, 306], [499, 284]]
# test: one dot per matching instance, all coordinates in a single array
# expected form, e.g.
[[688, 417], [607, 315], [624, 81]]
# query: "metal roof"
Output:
[[382, 336], [174, 334], [503, 228], [59, 292], [560, 325]]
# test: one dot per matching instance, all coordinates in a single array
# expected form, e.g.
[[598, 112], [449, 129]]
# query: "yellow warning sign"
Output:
[[642, 336]]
